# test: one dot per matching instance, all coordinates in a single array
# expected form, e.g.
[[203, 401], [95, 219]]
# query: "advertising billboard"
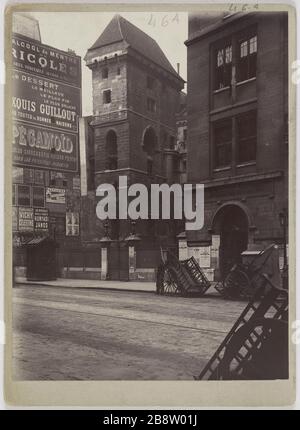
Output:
[[46, 106], [44, 147], [44, 102], [38, 59]]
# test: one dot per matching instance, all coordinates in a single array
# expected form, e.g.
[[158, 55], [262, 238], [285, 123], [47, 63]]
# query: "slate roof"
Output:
[[119, 29]]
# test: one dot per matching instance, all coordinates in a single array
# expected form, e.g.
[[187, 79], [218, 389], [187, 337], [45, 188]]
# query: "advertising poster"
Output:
[[26, 220], [35, 58], [56, 195], [72, 224], [44, 102], [36, 146], [41, 219]]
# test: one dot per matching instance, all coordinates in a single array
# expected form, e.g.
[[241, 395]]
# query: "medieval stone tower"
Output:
[[136, 94]]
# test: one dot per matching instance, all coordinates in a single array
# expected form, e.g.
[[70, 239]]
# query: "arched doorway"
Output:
[[231, 224]]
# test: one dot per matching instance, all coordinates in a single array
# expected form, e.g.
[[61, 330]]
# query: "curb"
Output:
[[43, 284]]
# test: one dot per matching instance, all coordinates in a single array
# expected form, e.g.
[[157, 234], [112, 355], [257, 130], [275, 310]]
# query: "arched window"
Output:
[[149, 146], [111, 151]]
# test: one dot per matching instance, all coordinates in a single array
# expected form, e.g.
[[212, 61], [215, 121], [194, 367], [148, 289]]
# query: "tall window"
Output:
[[24, 195], [247, 59], [149, 146], [105, 73], [222, 133], [106, 96], [38, 197], [111, 151], [238, 134], [223, 61], [246, 137]]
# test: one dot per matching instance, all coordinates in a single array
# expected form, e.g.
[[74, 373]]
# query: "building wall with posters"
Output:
[[46, 105], [136, 94], [237, 117]]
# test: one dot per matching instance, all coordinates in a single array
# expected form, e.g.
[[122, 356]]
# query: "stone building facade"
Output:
[[237, 118], [136, 94]]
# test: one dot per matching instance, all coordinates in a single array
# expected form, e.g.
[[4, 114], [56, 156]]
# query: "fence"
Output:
[[83, 258]]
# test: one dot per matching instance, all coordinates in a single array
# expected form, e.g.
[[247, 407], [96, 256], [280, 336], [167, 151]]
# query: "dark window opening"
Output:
[[107, 96], [246, 135], [111, 151], [23, 195], [222, 132], [247, 59], [151, 105], [149, 146], [118, 71], [38, 197], [105, 73], [223, 62]]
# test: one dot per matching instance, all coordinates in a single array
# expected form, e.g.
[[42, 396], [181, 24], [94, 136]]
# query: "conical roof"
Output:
[[119, 29]]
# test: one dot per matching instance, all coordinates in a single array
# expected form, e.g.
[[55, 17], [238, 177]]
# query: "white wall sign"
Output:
[[56, 195]]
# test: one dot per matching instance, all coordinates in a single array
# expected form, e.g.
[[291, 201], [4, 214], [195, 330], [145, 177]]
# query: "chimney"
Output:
[[178, 68]]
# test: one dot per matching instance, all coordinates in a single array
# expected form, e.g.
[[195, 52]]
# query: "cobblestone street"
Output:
[[80, 334]]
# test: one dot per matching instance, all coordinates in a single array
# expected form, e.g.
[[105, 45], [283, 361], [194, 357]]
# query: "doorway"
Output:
[[118, 261], [232, 225]]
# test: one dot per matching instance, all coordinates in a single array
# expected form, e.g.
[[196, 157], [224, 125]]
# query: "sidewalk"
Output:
[[149, 287], [88, 283]]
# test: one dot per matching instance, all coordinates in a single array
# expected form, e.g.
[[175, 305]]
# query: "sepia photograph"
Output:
[[150, 177]]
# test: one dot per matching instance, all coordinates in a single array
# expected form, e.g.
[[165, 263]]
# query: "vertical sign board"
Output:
[[46, 106], [26, 219], [41, 220], [72, 224]]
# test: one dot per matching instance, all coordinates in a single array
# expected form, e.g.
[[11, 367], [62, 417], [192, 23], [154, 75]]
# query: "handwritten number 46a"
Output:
[[242, 7]]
